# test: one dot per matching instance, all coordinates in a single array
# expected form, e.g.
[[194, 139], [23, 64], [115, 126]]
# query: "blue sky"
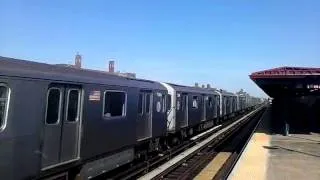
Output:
[[215, 41]]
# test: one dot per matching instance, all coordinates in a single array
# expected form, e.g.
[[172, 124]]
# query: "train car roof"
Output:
[[191, 89], [226, 93], [242, 94], [67, 73]]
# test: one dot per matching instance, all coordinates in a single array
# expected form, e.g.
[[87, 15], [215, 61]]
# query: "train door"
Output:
[[61, 135], [228, 105], [184, 109], [231, 104], [224, 105], [209, 108], [144, 121], [234, 102], [204, 108], [179, 117], [219, 109], [215, 106]]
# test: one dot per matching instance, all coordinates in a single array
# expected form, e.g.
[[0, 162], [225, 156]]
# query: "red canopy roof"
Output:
[[286, 72], [287, 80]]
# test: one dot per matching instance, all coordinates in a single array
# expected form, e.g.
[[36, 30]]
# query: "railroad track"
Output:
[[188, 164], [142, 167], [236, 146]]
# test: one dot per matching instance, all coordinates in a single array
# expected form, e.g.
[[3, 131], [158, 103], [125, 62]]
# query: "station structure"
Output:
[[295, 92], [288, 81], [286, 143]]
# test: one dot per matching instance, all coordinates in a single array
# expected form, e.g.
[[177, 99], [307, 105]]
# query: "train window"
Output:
[[184, 102], [73, 112], [178, 105], [158, 106], [114, 103], [53, 106], [4, 96], [140, 104], [210, 102], [164, 103], [195, 102], [148, 98], [168, 102]]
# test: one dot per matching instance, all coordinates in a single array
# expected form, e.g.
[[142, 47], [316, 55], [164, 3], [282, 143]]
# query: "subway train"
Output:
[[60, 121]]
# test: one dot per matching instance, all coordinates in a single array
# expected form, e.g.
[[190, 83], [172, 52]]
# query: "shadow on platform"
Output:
[[291, 150]]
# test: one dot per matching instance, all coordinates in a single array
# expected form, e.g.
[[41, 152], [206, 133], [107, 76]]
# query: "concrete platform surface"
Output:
[[276, 157]]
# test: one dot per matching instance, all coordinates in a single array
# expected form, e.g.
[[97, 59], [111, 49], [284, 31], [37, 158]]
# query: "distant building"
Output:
[[111, 66], [130, 75], [78, 61], [112, 70]]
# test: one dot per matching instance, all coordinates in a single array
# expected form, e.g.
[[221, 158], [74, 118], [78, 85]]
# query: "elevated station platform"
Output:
[[270, 155], [286, 144], [296, 96]]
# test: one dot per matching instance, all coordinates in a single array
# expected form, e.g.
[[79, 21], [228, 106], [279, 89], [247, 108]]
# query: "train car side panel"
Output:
[[109, 119], [20, 140]]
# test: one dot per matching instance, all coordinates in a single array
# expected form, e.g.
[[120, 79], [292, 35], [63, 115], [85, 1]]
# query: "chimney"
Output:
[[196, 85], [77, 61], [111, 66], [208, 86]]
